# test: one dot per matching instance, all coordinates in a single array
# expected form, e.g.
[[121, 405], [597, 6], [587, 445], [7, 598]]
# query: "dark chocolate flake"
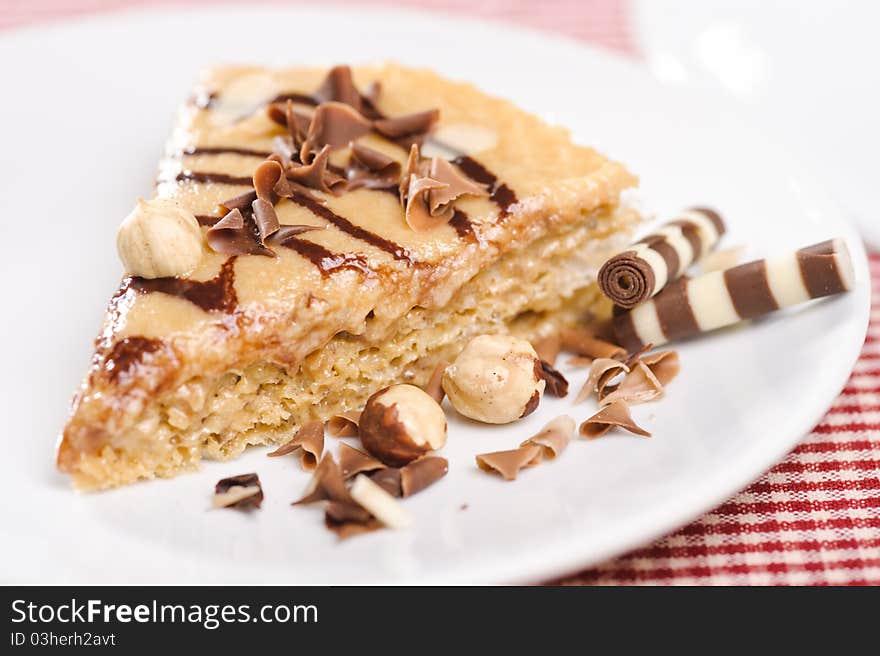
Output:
[[422, 473], [557, 385]]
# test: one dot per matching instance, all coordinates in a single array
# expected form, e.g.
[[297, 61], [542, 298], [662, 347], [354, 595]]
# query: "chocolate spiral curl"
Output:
[[638, 273], [722, 298]]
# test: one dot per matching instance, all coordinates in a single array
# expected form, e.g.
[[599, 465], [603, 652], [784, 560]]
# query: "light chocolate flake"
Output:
[[266, 176], [418, 213], [639, 386], [266, 219], [333, 124], [582, 342], [309, 438], [665, 365], [344, 424], [616, 414], [338, 86], [509, 463], [242, 492], [408, 125], [434, 386], [422, 473], [354, 461], [371, 169], [602, 372], [457, 184], [554, 437], [548, 347], [316, 175]]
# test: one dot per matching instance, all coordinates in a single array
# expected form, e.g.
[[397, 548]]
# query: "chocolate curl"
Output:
[[407, 125], [418, 214], [326, 484], [371, 169], [616, 414], [556, 384], [334, 125], [310, 439], [718, 299], [638, 386], [554, 437], [638, 273], [602, 371], [344, 424], [422, 473], [339, 86], [509, 463], [354, 461], [316, 174], [234, 235]]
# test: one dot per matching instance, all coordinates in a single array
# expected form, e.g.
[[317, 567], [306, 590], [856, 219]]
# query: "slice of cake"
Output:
[[353, 229]]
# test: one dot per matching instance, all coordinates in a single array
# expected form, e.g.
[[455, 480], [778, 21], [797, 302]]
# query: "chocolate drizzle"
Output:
[[214, 295], [501, 194], [127, 352], [397, 251], [216, 178]]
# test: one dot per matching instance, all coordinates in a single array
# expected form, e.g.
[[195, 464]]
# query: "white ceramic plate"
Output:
[[88, 105]]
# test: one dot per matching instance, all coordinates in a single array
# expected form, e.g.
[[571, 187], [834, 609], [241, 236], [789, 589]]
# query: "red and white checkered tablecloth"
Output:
[[814, 519]]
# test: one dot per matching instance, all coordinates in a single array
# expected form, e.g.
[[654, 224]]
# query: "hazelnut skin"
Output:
[[496, 379], [401, 423]]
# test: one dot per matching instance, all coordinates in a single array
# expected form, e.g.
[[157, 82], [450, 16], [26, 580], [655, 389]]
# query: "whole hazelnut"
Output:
[[496, 379], [158, 239], [401, 423]]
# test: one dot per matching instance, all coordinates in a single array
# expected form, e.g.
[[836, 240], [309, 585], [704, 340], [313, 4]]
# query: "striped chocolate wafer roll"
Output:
[[638, 273], [722, 298]]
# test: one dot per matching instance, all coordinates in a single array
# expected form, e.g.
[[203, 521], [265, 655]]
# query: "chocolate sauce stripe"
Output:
[[501, 194], [397, 251]]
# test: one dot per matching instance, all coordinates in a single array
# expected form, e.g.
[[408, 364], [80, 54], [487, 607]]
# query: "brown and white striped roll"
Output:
[[638, 273], [722, 298]]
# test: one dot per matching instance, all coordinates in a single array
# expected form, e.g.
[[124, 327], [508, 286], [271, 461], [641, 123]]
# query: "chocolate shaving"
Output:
[[635, 356], [554, 437], [580, 361], [344, 424], [339, 86], [414, 166], [408, 125], [418, 214], [557, 385], [602, 371], [639, 385], [547, 347], [287, 232], [456, 183], [616, 414], [583, 343], [269, 173], [422, 473], [265, 218], [316, 174], [347, 528], [235, 235], [286, 150], [354, 461], [297, 124], [310, 438], [434, 386], [335, 125], [240, 202], [326, 484], [242, 492], [664, 365], [371, 169], [508, 463], [389, 480]]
